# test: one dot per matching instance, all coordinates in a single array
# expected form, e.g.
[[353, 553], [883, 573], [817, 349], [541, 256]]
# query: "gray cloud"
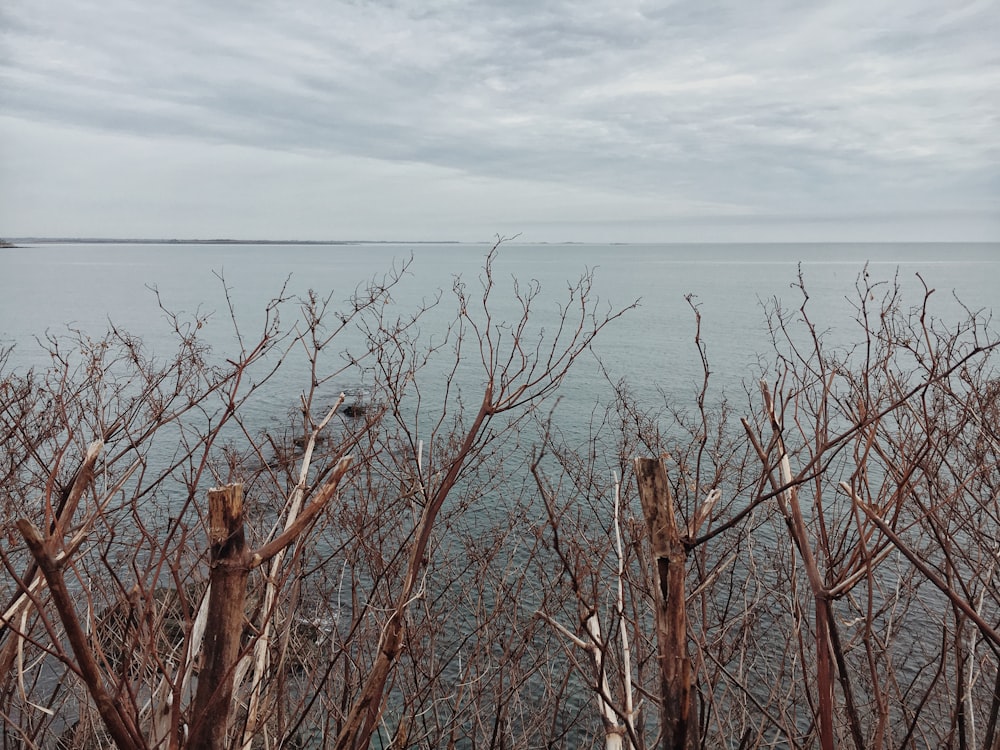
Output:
[[668, 111]]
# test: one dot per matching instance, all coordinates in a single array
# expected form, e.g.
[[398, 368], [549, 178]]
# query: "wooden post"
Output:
[[230, 568], [680, 726]]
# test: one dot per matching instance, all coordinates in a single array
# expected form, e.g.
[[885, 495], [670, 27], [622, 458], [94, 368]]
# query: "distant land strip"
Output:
[[221, 241]]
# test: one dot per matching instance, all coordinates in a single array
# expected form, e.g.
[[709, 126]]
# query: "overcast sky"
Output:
[[585, 120]]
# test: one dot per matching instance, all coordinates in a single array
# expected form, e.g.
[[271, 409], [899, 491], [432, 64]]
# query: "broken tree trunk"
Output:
[[680, 725], [230, 568]]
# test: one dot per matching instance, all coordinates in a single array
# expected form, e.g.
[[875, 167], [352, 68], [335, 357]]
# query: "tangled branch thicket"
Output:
[[440, 565]]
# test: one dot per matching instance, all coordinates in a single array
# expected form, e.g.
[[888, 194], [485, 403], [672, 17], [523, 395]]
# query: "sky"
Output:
[[554, 120]]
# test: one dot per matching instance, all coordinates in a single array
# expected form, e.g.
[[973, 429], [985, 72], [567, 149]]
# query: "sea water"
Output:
[[47, 289]]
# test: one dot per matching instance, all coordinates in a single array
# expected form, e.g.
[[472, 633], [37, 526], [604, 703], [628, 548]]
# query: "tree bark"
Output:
[[230, 568], [680, 726]]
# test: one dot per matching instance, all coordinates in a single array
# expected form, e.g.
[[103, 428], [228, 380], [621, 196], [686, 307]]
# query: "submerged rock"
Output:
[[355, 410]]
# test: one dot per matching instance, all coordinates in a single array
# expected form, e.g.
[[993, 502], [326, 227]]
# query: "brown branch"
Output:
[[80, 482], [984, 627], [269, 550], [366, 710], [118, 723]]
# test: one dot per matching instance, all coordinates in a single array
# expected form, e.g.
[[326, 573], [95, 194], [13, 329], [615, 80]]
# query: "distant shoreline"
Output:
[[20, 242], [219, 241]]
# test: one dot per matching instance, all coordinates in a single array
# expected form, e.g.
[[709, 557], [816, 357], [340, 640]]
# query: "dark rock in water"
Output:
[[354, 410], [300, 441]]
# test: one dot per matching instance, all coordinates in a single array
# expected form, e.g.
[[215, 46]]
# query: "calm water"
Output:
[[52, 287], [49, 287]]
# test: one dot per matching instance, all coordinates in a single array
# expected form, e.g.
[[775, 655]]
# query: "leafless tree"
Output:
[[345, 615], [841, 543]]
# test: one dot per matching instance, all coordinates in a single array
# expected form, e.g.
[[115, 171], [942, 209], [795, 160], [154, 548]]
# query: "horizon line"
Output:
[[7, 241]]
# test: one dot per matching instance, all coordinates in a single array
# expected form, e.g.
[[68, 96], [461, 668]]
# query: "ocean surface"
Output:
[[48, 288]]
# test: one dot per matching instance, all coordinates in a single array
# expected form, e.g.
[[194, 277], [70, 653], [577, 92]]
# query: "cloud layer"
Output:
[[564, 120]]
